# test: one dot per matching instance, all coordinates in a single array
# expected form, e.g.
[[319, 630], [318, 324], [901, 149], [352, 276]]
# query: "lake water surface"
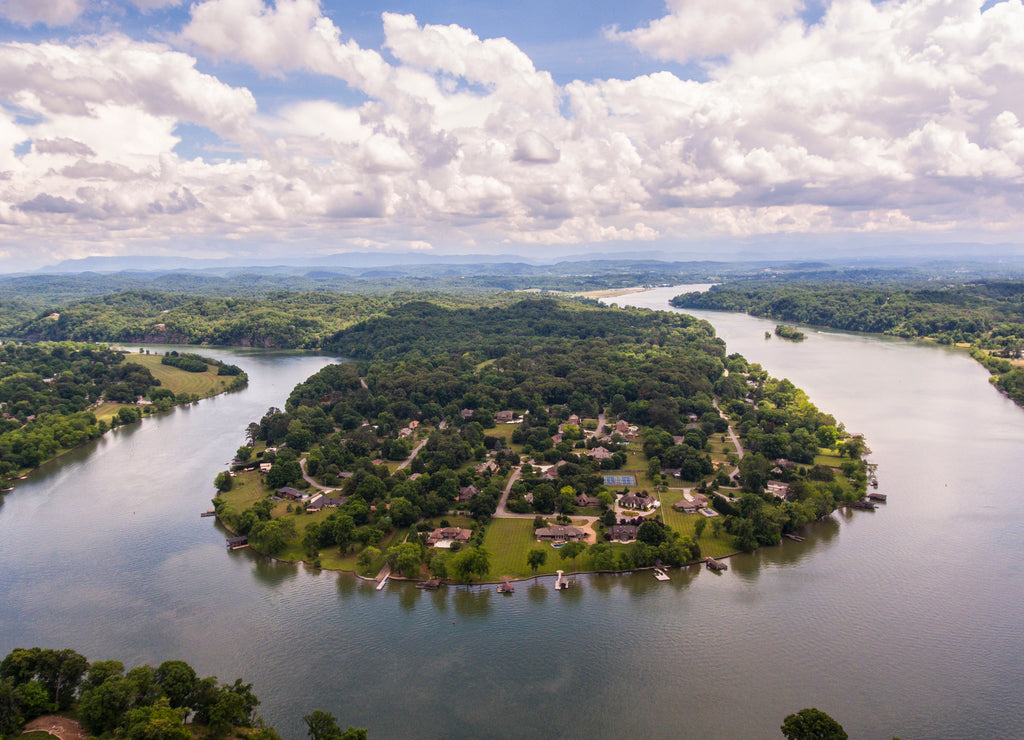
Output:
[[903, 622]]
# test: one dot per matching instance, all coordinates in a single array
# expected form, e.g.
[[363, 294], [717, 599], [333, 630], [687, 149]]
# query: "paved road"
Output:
[[412, 456], [310, 481], [502, 509]]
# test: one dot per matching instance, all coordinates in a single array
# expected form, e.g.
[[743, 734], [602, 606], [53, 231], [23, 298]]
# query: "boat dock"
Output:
[[794, 537], [876, 496], [716, 565], [660, 574], [208, 512], [561, 581], [383, 576]]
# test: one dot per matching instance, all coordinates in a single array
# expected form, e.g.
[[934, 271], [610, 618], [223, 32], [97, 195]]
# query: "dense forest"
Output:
[[988, 315], [453, 371], [169, 702], [279, 320], [48, 392]]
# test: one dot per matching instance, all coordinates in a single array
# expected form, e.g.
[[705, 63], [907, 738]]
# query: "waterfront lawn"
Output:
[[179, 381], [247, 490], [106, 410], [508, 541], [710, 545]]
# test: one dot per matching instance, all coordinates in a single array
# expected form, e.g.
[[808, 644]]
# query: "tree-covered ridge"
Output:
[[169, 702], [989, 315], [422, 328], [651, 384], [280, 320]]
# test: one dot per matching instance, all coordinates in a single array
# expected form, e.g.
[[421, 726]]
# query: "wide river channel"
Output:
[[907, 622]]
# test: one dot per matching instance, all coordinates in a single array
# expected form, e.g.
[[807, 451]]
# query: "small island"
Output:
[[55, 396], [789, 332], [501, 445]]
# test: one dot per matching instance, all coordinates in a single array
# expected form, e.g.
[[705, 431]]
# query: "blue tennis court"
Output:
[[620, 480]]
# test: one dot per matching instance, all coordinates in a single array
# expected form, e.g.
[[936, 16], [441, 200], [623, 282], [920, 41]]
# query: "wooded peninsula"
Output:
[[472, 443], [55, 396]]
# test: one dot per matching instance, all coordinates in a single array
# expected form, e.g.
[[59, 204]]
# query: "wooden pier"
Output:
[[561, 582], [383, 576], [208, 512], [876, 496], [794, 537]]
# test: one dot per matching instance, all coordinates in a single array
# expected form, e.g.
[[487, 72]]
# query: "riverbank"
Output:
[[175, 387]]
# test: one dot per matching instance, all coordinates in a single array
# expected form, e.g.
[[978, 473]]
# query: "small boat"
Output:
[[660, 574]]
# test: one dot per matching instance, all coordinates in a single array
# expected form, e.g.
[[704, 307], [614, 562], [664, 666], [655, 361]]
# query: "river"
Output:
[[902, 622]]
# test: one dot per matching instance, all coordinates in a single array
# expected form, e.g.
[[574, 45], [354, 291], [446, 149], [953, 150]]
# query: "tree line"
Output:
[[168, 702]]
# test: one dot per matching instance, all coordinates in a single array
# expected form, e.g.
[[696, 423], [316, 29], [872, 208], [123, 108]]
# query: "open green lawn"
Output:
[[106, 410], [248, 489], [716, 547], [180, 381], [828, 458], [508, 541]]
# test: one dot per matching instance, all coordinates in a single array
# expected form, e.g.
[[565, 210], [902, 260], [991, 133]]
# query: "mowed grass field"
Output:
[[508, 541], [178, 381], [684, 524]]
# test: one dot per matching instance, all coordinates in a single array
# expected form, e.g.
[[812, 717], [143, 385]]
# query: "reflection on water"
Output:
[[876, 618]]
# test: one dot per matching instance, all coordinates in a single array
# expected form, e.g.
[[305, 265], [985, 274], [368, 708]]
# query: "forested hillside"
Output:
[[280, 320]]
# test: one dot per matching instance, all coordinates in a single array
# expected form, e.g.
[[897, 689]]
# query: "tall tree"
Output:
[[812, 724]]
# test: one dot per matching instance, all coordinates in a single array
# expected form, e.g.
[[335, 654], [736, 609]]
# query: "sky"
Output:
[[242, 128]]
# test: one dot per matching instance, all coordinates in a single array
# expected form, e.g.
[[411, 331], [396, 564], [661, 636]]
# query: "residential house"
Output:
[[687, 507], [446, 536], [488, 466], [583, 500], [562, 532], [600, 453], [325, 502], [465, 494], [777, 488], [505, 417], [622, 532], [637, 501], [292, 494]]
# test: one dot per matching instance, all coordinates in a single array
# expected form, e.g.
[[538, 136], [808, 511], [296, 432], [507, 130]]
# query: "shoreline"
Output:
[[509, 579]]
